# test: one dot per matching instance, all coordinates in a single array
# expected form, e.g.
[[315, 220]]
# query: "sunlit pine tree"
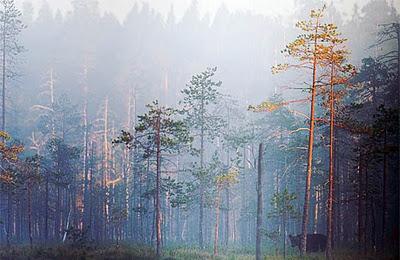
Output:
[[309, 52], [338, 73]]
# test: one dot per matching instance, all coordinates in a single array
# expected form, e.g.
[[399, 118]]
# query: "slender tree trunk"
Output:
[[158, 187], [360, 198], [384, 202], [91, 190], [30, 213], [259, 203], [284, 230], [46, 208], [86, 225], [3, 119], [105, 170], [367, 208], [316, 209], [216, 226], [58, 216], [9, 214], [331, 166], [51, 85], [227, 217], [397, 26], [201, 213], [310, 148], [373, 226], [228, 157]]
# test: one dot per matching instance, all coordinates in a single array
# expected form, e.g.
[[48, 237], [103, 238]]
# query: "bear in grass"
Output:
[[315, 242]]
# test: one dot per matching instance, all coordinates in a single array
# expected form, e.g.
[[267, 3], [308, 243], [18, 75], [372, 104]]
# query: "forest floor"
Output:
[[146, 253]]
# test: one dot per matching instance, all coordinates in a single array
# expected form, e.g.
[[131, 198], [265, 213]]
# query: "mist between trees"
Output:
[[224, 136]]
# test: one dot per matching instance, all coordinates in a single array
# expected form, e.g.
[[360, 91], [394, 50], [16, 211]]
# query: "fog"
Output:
[[88, 69]]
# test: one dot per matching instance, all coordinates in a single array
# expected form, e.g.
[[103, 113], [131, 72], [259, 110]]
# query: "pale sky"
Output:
[[267, 7]]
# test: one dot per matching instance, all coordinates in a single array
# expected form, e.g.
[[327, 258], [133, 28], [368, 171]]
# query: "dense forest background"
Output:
[[81, 77]]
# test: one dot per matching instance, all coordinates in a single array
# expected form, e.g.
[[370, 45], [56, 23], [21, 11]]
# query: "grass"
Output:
[[147, 253]]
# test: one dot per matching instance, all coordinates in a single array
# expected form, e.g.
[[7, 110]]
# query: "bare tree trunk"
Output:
[[259, 203]]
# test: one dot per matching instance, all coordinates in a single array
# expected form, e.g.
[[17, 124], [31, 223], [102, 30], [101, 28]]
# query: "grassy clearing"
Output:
[[184, 253], [146, 253]]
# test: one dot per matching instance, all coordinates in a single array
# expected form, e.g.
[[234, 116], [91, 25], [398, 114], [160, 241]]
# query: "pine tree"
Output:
[[158, 132], [199, 97], [10, 27], [311, 52], [339, 75]]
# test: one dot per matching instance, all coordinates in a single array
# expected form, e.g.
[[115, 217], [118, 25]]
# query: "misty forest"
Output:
[[232, 136]]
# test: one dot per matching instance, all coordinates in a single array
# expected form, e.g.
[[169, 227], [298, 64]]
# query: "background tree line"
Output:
[[187, 174]]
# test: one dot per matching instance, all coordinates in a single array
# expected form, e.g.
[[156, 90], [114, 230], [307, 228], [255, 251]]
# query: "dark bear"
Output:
[[315, 242]]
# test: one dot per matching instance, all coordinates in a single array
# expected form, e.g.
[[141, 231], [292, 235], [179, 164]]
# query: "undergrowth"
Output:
[[177, 253]]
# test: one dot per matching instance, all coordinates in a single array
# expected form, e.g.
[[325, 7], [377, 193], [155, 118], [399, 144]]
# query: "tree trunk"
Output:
[[216, 226], [367, 207], [30, 213], [46, 208], [58, 215], [331, 173], [86, 226], [259, 203], [91, 189], [310, 149], [227, 218], [3, 119], [397, 26], [201, 206], [384, 177], [201, 213], [9, 214], [158, 186], [105, 171], [360, 198], [284, 230]]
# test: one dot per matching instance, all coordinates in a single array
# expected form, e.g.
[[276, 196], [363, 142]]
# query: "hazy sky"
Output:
[[267, 7]]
